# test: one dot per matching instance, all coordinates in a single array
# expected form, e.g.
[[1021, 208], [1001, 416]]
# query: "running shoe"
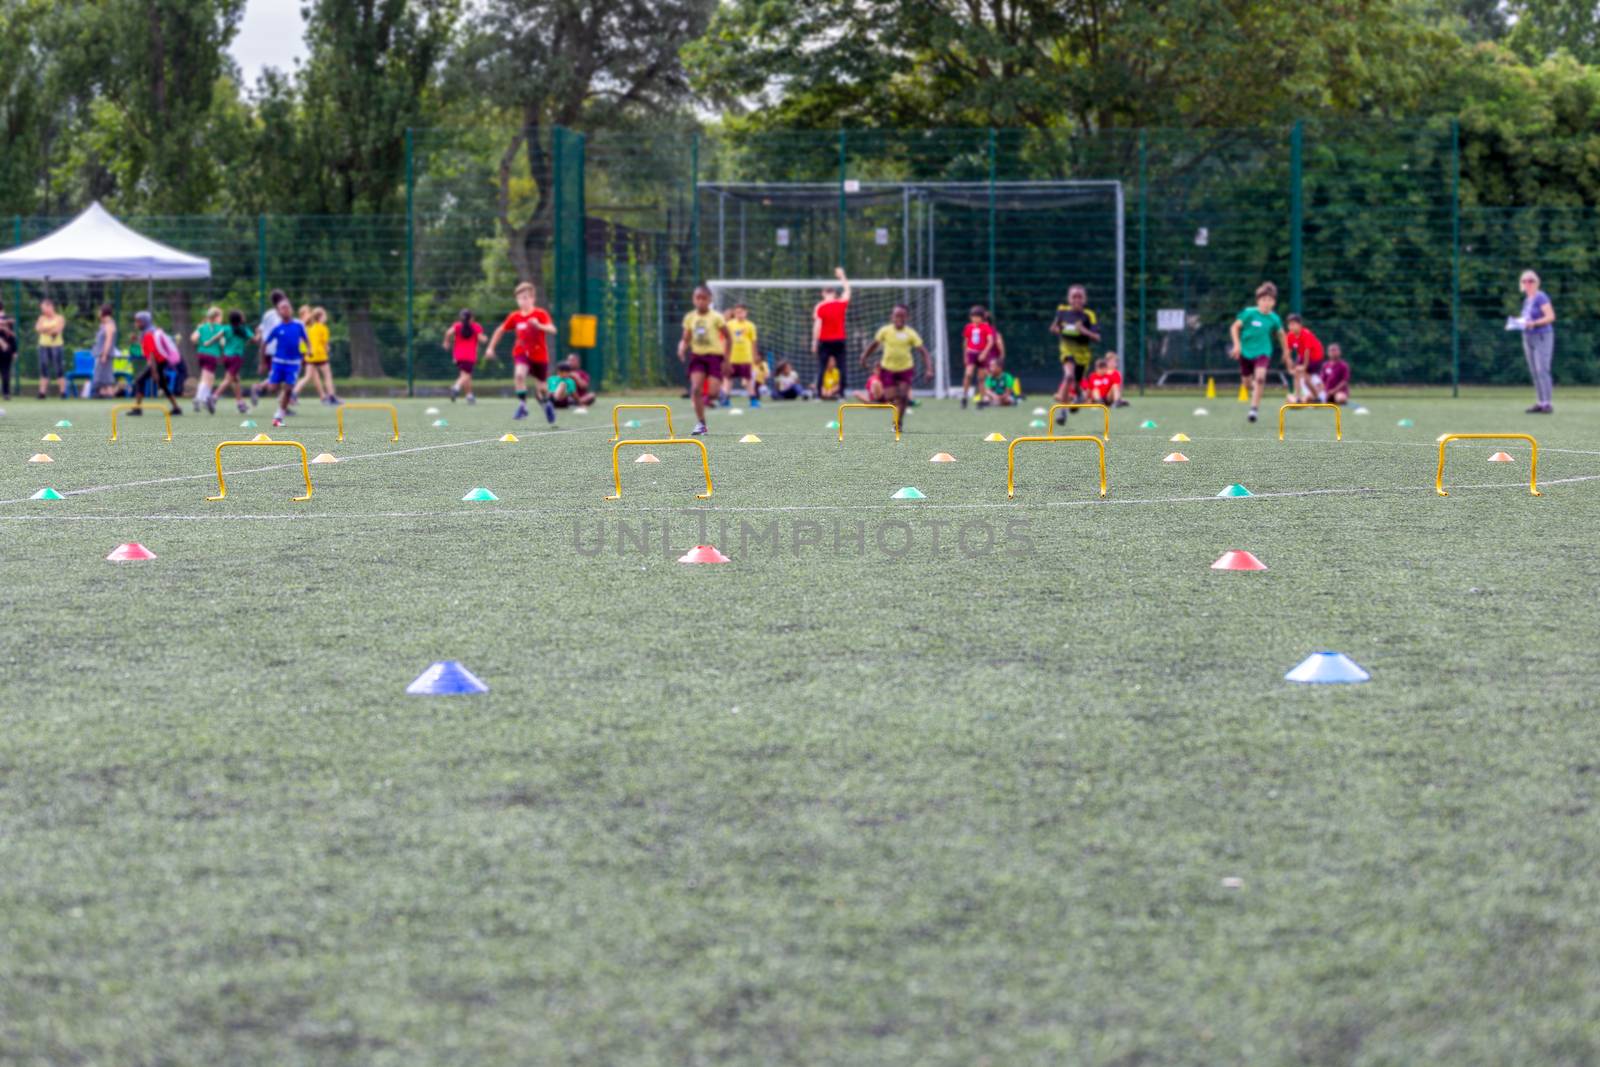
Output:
[[1252, 416], [699, 430], [521, 412], [549, 411]]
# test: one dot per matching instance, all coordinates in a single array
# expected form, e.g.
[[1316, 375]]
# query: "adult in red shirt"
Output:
[[1305, 360], [828, 333], [981, 344], [1335, 377], [529, 325]]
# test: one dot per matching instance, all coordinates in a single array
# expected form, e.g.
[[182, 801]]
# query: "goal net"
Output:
[[783, 315]]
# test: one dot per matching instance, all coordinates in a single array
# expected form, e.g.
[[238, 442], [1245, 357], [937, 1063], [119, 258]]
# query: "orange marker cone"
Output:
[[1501, 457], [1238, 560], [942, 457], [1176, 457], [703, 554], [646, 457], [130, 551]]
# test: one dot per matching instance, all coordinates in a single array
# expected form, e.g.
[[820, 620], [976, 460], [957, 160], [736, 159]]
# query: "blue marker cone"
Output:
[[1324, 668], [446, 678]]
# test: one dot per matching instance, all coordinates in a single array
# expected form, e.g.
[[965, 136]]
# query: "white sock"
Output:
[[278, 414]]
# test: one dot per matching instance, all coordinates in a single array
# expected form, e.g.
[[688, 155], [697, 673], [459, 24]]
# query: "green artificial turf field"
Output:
[[849, 799]]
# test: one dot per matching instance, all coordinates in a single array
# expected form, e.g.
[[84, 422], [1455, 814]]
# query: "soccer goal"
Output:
[[783, 314]]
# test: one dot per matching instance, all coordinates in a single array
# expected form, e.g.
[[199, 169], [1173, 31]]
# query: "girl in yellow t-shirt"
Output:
[[317, 370]]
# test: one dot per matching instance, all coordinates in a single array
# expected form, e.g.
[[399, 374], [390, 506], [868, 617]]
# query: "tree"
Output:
[[1541, 28], [1050, 63], [146, 75], [334, 141], [549, 63]]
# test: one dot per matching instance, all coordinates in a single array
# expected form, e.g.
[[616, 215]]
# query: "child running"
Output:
[[208, 338], [703, 346], [897, 367], [978, 343], [1078, 329], [462, 340], [1305, 368], [529, 325], [741, 356], [235, 342], [829, 335], [317, 370], [1254, 330], [160, 351], [270, 320], [288, 339]]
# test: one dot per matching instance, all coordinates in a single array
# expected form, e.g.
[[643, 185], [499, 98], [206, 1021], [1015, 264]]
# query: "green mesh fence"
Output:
[[1372, 231]]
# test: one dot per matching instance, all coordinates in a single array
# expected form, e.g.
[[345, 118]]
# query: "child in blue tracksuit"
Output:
[[288, 343]]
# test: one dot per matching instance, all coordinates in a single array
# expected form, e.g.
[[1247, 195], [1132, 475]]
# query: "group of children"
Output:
[[530, 328], [1315, 374]]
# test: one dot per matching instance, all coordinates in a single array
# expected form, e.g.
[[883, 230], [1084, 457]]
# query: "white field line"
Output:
[[560, 511], [284, 466]]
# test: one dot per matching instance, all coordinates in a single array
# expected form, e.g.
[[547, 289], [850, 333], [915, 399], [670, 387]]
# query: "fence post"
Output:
[[694, 204], [844, 209], [1455, 258], [1144, 347], [261, 263], [1296, 213], [16, 287], [992, 212], [411, 266]]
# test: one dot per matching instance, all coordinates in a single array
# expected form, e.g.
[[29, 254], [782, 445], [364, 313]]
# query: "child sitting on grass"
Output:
[[999, 386], [1335, 378], [786, 383]]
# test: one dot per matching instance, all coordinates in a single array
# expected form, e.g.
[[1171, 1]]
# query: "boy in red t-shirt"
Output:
[[979, 344], [1113, 380], [529, 325], [829, 335], [1304, 359]]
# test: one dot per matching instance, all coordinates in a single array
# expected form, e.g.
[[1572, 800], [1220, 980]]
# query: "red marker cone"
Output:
[[703, 554], [130, 551], [1236, 560], [1501, 457]]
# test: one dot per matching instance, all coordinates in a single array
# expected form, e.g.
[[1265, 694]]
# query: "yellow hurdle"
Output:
[[130, 407], [616, 424], [895, 416], [305, 469], [1011, 458], [1050, 419], [394, 415], [1338, 431], [705, 460], [1533, 465]]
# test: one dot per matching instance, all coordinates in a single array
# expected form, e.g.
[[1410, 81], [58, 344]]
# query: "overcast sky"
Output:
[[272, 34]]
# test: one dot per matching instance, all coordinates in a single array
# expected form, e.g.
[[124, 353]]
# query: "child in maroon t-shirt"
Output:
[[1335, 377]]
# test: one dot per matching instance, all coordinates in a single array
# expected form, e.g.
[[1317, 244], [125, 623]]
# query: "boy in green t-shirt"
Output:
[[1253, 331], [998, 386]]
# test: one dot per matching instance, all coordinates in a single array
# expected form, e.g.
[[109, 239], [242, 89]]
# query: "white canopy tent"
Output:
[[95, 247]]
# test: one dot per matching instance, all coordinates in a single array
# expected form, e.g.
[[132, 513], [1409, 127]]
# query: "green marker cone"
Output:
[[440, 423], [633, 424], [480, 493], [1037, 424], [910, 492], [1148, 424], [48, 493], [64, 424], [1406, 423], [1235, 490], [248, 424], [832, 424]]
